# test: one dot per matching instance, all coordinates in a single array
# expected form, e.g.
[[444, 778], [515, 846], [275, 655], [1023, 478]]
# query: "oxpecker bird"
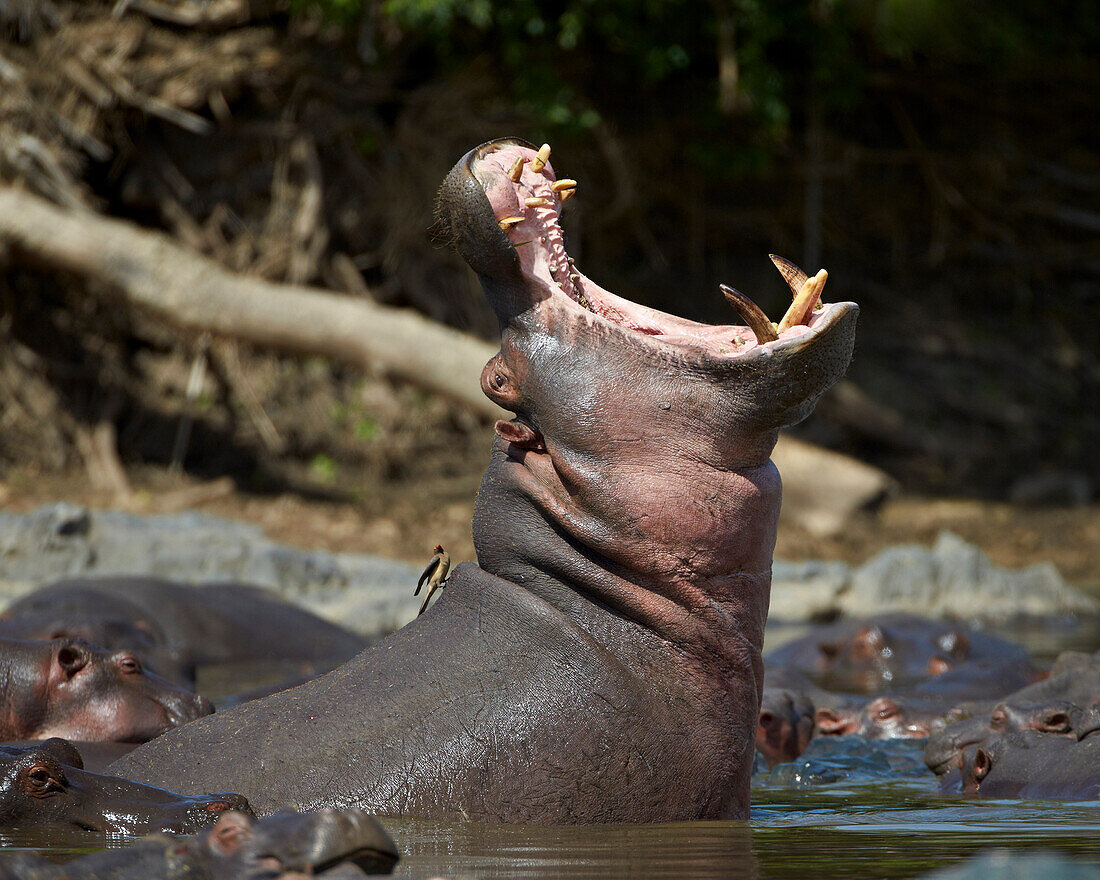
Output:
[[435, 574]]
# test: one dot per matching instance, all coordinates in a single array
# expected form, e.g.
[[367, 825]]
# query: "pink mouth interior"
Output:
[[540, 243]]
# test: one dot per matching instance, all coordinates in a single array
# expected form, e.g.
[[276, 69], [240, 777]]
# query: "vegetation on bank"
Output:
[[942, 160]]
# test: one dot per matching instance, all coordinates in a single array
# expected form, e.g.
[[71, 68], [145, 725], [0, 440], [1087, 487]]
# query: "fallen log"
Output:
[[192, 292], [147, 270]]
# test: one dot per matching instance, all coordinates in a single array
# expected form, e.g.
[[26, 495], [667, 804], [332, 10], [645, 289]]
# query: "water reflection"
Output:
[[839, 829], [606, 852]]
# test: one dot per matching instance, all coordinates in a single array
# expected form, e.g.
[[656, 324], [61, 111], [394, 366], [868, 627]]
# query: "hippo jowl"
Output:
[[601, 663]]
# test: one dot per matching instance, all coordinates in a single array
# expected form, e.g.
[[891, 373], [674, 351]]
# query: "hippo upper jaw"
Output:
[[503, 215]]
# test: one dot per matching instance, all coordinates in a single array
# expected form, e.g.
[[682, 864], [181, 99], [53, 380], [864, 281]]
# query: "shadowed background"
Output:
[[941, 160]]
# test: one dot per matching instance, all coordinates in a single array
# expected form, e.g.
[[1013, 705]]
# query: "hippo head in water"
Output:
[[602, 662], [69, 688], [48, 785], [637, 465]]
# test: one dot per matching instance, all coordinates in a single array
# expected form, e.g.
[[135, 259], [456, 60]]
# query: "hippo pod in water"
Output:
[[1041, 741], [71, 689], [603, 662], [286, 846], [889, 651], [47, 785]]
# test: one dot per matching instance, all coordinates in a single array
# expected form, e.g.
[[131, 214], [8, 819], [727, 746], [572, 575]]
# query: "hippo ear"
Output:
[[833, 722], [64, 751], [72, 657], [229, 832], [983, 763]]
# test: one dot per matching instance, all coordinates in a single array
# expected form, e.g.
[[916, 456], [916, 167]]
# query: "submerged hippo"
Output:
[[1065, 705], [287, 846], [71, 689], [183, 625], [603, 662], [890, 651], [1032, 764], [48, 785]]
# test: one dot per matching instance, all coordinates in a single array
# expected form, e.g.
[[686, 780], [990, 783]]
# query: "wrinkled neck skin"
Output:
[[633, 490], [623, 508]]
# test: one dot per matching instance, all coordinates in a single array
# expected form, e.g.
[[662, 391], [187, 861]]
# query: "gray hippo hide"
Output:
[[602, 662]]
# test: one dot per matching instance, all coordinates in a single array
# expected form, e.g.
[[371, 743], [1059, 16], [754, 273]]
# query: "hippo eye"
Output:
[[129, 664], [498, 381], [42, 780]]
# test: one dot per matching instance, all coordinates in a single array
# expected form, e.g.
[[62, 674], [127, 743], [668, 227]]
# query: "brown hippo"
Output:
[[916, 711], [286, 846], [48, 785], [71, 689], [603, 662]]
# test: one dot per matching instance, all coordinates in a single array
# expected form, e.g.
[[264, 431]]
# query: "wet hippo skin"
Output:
[[47, 784], [68, 688], [602, 663]]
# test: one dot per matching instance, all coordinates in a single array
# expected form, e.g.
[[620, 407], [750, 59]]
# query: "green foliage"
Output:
[[323, 468], [566, 60]]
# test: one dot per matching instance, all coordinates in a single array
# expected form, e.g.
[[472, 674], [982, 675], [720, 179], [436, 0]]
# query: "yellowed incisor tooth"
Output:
[[564, 183], [536, 202], [541, 159], [516, 170], [804, 302], [567, 194], [508, 222]]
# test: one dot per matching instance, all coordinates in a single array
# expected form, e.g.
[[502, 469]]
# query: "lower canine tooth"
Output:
[[536, 202], [567, 194], [794, 276], [541, 159], [751, 314], [508, 222], [516, 170]]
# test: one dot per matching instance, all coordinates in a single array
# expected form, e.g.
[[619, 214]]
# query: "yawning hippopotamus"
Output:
[[603, 662], [68, 688]]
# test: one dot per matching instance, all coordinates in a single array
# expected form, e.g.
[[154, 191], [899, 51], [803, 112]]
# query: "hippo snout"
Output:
[[188, 708]]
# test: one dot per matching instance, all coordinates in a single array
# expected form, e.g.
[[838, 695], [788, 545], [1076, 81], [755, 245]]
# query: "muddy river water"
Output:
[[861, 827]]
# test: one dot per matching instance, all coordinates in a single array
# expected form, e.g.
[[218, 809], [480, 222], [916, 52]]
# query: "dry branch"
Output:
[[195, 293]]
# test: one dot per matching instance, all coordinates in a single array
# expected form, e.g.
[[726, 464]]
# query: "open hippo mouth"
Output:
[[501, 207]]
